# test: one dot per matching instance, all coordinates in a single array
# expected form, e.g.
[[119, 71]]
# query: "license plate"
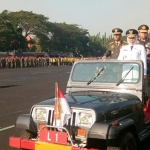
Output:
[[45, 146], [53, 137]]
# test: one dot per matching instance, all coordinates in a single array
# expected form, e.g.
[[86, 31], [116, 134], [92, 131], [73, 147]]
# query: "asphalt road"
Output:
[[21, 88]]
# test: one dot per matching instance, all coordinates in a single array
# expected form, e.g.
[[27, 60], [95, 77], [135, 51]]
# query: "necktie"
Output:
[[131, 47]]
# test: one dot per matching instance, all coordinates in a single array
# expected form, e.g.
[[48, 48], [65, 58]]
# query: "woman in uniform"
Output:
[[133, 51]]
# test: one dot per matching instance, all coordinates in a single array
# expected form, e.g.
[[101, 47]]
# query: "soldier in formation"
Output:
[[28, 62]]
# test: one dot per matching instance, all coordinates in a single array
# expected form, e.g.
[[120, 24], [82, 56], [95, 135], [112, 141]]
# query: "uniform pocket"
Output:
[[135, 55]]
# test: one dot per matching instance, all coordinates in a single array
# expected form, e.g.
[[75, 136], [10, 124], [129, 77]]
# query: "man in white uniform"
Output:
[[133, 51]]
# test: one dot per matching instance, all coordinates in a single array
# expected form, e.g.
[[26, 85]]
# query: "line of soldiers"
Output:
[[28, 62]]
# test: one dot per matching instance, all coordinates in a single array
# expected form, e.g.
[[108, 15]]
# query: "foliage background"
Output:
[[46, 36]]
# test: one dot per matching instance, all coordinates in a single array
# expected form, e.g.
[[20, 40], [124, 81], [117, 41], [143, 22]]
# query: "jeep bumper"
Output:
[[40, 145]]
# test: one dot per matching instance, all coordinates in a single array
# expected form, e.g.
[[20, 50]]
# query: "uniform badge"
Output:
[[143, 27], [116, 30], [147, 45], [131, 31], [112, 46]]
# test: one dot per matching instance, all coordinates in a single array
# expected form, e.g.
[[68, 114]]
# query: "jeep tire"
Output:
[[26, 134], [127, 143]]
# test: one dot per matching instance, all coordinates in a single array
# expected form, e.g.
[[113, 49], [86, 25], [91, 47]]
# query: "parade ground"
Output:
[[21, 88]]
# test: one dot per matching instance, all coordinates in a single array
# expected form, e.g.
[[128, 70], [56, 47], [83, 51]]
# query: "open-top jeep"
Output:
[[109, 111]]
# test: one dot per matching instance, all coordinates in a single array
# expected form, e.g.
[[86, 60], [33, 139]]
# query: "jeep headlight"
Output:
[[40, 114], [85, 119]]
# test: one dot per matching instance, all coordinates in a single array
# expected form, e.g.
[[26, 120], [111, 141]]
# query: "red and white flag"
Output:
[[62, 111]]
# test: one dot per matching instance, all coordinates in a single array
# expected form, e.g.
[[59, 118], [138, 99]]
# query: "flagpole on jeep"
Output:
[[56, 103]]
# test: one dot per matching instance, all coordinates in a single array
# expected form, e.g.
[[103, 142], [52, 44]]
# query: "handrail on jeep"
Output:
[[60, 128]]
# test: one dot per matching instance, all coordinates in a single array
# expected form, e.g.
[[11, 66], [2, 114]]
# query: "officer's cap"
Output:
[[147, 45], [143, 28], [117, 31], [131, 33]]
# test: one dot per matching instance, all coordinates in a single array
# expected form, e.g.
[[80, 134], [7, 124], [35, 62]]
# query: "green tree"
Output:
[[29, 23], [99, 44], [46, 36], [69, 38], [10, 39], [32, 24]]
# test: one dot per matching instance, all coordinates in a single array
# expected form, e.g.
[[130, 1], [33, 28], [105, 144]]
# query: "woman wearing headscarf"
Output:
[[133, 51]]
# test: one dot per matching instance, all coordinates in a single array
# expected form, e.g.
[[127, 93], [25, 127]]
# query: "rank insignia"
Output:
[[116, 30], [131, 31], [143, 27]]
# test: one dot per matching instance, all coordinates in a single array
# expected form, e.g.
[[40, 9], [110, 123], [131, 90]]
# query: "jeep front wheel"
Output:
[[26, 134], [127, 143]]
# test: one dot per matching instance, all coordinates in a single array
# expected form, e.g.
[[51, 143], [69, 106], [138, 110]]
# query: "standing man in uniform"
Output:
[[143, 35], [147, 47], [144, 40], [114, 47]]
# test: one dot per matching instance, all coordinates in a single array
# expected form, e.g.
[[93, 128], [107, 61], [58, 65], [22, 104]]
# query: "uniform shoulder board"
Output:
[[111, 42], [125, 42], [138, 43]]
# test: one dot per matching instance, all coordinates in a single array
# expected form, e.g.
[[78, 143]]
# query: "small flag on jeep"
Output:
[[62, 110]]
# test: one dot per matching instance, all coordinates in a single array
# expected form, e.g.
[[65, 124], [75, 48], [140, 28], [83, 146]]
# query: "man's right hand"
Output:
[[104, 57]]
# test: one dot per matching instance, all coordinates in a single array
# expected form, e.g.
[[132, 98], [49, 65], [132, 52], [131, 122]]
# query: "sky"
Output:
[[94, 15]]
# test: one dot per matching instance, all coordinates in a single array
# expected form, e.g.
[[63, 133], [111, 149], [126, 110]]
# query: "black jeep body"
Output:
[[106, 99]]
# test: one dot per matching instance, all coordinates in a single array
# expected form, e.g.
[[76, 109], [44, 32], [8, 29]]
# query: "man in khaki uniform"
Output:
[[115, 46], [143, 35]]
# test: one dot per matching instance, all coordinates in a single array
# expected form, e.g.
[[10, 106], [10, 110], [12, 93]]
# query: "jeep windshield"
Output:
[[113, 72]]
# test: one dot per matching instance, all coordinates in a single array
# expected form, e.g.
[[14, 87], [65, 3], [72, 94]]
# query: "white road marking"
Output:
[[6, 128]]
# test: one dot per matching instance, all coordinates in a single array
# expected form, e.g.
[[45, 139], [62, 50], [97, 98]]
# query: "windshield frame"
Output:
[[103, 64], [114, 61]]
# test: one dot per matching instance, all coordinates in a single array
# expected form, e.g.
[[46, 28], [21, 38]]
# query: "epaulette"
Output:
[[139, 44], [111, 42], [125, 42]]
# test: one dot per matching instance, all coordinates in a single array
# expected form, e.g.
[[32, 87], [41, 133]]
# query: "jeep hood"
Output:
[[100, 102]]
